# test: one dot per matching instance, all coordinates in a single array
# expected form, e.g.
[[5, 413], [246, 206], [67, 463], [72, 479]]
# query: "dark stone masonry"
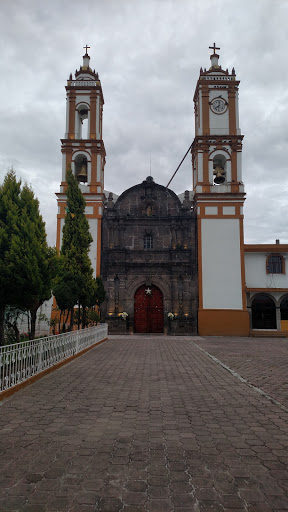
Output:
[[149, 241]]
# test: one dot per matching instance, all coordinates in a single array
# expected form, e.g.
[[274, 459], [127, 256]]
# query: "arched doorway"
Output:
[[148, 310], [263, 312], [284, 308]]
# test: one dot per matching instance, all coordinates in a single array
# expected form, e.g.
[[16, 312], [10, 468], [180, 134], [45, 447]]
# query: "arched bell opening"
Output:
[[81, 169], [148, 310], [82, 122], [219, 169], [84, 128], [263, 312]]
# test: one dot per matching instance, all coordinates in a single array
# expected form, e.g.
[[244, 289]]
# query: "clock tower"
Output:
[[219, 198], [83, 151]]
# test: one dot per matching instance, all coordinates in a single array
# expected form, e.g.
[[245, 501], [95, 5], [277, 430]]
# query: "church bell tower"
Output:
[[219, 198], [83, 150]]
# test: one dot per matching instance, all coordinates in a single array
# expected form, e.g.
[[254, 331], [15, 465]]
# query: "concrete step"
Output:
[[268, 333]]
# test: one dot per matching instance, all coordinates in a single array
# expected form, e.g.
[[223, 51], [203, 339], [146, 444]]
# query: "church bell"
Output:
[[219, 175], [83, 174]]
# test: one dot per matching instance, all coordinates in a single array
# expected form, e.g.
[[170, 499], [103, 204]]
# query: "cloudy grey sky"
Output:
[[148, 55]]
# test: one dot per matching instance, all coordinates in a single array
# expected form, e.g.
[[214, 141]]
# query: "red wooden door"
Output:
[[148, 310]]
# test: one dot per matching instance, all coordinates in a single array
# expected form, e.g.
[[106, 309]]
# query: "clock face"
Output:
[[218, 105]]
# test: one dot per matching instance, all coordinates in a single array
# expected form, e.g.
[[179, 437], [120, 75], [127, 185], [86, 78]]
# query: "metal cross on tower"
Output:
[[214, 47], [89, 47]]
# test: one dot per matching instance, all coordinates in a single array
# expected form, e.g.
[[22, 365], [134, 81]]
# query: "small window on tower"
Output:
[[275, 264], [148, 242]]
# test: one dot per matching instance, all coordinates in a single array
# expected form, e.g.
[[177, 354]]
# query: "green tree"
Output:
[[94, 296], [100, 292], [11, 327], [27, 264], [75, 281], [9, 211], [67, 290], [97, 296]]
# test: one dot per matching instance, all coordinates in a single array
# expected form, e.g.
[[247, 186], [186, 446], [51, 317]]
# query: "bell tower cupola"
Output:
[[83, 150], [217, 147], [219, 199]]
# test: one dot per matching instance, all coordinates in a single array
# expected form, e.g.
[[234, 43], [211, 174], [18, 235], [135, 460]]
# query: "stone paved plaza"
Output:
[[154, 424]]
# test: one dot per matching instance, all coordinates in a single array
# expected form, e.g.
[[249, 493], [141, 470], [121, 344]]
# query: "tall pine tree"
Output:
[[75, 280], [27, 264], [9, 211]]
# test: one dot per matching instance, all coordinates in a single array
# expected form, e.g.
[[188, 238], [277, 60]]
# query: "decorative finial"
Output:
[[86, 47], [214, 57], [214, 47]]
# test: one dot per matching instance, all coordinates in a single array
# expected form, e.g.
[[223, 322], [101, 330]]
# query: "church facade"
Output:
[[172, 264], [149, 261]]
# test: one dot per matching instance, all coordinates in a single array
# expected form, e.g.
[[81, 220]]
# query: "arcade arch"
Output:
[[263, 312]]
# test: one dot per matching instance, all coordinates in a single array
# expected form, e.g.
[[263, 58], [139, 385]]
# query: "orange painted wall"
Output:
[[218, 322]]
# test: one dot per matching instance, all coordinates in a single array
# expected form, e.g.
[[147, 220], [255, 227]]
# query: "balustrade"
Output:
[[84, 83], [20, 361]]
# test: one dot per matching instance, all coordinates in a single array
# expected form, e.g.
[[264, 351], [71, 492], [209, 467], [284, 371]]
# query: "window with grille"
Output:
[[148, 242], [275, 264]]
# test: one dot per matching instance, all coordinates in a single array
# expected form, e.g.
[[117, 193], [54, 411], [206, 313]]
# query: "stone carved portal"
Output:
[[148, 310]]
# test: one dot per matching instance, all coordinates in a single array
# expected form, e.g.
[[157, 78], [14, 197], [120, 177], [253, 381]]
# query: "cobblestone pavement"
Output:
[[262, 362], [145, 424]]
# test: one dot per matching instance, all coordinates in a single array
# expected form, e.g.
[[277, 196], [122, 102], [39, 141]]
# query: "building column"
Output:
[[278, 318]]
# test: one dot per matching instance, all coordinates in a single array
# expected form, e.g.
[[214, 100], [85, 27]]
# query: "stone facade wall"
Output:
[[153, 213]]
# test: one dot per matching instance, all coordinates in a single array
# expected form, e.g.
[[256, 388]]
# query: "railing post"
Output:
[[77, 343], [40, 347]]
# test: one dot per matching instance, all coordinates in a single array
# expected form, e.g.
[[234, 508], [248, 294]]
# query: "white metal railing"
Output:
[[22, 360]]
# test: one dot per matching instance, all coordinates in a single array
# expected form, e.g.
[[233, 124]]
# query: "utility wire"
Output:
[[179, 165]]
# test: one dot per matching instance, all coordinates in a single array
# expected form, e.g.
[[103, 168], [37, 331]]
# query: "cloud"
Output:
[[148, 56]]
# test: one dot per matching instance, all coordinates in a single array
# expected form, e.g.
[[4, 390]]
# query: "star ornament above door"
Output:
[[148, 291]]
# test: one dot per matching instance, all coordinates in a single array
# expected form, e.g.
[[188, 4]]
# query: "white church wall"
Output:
[[200, 167], [82, 98], [61, 231], [239, 166], [42, 321], [238, 131], [98, 134], [63, 166], [98, 168], [93, 225], [256, 275], [200, 128], [221, 265]]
